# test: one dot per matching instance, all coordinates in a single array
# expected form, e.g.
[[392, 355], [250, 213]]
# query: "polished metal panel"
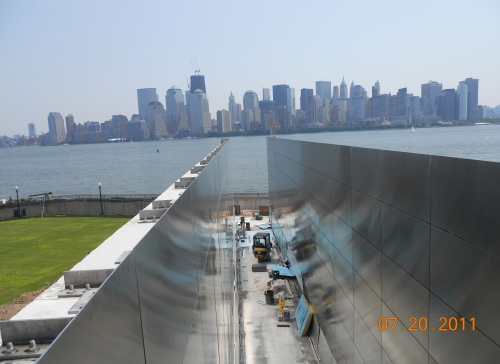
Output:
[[345, 344], [367, 260], [365, 167], [406, 240], [341, 201], [314, 332], [460, 346], [404, 296], [368, 346], [386, 359], [325, 153], [344, 309], [108, 328], [343, 275], [465, 200], [399, 344], [467, 278], [341, 161], [368, 305], [323, 349], [405, 182], [366, 217], [342, 238]]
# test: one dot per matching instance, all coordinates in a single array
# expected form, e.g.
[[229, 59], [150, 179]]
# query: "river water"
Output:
[[150, 167]]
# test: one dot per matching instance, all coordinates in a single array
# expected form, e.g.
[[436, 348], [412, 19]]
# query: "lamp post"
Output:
[[100, 197], [18, 206]]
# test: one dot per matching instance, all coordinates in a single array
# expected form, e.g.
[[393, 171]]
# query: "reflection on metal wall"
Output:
[[375, 233], [172, 299]]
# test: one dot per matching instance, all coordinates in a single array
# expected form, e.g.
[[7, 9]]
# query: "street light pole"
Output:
[[100, 197], [18, 206]]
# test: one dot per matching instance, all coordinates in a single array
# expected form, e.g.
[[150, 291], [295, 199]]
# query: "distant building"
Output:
[[324, 89], [305, 93], [476, 112], [376, 89], [290, 100], [250, 100], [415, 104], [56, 128], [448, 104], [118, 125], [357, 106], [232, 108], [32, 130], [393, 106], [431, 91], [144, 97], [335, 97], [280, 95], [176, 110], [343, 90], [156, 119], [224, 124], [70, 124], [462, 93], [137, 129], [201, 120], [402, 101], [472, 98], [197, 83], [311, 111], [266, 94], [380, 107]]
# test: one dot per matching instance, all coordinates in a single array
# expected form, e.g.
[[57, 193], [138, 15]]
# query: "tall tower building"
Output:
[[250, 100], [472, 97], [335, 97], [324, 89], [70, 122], [305, 93], [32, 130], [343, 90], [429, 97], [198, 83], [224, 121], [56, 128], [376, 89], [201, 120], [402, 101], [279, 95], [447, 104], [462, 100], [233, 108], [144, 97], [176, 110], [156, 119], [290, 100], [351, 89], [265, 94]]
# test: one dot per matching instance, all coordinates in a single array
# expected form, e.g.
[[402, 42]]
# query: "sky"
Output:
[[88, 58]]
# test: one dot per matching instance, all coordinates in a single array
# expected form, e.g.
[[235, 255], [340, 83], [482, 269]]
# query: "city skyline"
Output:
[[85, 65]]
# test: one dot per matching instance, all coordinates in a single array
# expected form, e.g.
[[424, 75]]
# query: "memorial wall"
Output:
[[398, 253], [172, 299]]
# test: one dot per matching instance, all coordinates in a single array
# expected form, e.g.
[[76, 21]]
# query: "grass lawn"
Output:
[[35, 251]]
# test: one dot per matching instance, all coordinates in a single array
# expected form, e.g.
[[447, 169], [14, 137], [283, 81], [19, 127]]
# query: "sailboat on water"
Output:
[[412, 130]]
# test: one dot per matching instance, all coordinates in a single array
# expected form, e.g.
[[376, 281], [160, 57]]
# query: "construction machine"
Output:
[[262, 246]]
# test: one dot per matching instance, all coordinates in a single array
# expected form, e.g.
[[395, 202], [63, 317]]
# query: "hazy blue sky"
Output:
[[87, 58]]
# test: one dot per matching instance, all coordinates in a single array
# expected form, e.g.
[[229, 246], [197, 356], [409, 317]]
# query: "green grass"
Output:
[[35, 251]]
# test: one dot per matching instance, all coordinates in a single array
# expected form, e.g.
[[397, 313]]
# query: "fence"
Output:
[[112, 205]]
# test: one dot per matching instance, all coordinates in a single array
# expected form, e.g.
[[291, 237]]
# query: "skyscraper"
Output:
[[250, 100], [290, 100], [324, 89], [224, 121], [197, 83], [176, 110], [402, 101], [351, 89], [462, 100], [201, 120], [144, 97], [233, 108], [56, 128], [472, 97], [305, 93], [156, 119], [430, 92], [343, 90], [265, 94], [70, 122], [376, 89], [279, 95], [380, 107], [447, 104], [32, 130]]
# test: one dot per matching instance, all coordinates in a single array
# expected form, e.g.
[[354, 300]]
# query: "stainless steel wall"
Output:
[[172, 299], [375, 233]]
